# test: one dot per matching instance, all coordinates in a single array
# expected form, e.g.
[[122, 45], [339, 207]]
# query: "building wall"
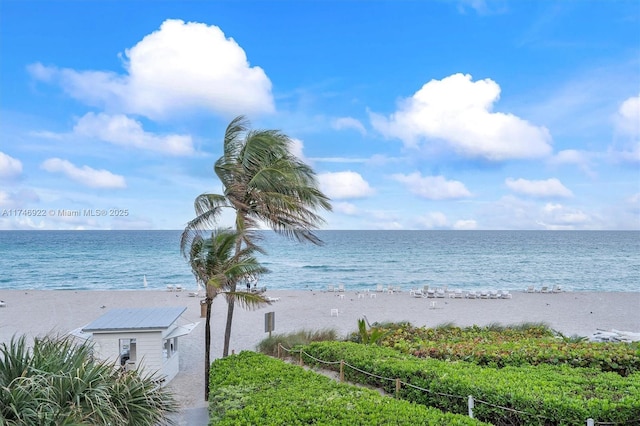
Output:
[[148, 349]]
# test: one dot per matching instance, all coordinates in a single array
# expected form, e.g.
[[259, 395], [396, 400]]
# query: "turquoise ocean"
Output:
[[469, 260]]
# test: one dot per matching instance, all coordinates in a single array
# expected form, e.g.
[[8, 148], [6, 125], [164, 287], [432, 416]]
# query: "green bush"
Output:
[[57, 382], [269, 346], [253, 389], [558, 395], [501, 346]]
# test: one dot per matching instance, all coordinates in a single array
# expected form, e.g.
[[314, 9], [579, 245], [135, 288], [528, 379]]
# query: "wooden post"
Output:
[[301, 363], [342, 370], [278, 350], [470, 403], [398, 384]]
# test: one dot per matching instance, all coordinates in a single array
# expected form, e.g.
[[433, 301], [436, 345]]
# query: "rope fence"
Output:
[[471, 401]]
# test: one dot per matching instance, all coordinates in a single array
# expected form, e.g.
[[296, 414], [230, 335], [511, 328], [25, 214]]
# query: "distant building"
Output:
[[139, 338]]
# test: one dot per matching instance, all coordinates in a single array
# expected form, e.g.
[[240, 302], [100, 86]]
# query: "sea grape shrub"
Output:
[[512, 346]]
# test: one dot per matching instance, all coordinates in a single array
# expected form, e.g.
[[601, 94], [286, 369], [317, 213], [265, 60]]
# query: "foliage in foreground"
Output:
[[57, 382], [251, 389], [545, 394], [269, 346], [499, 346]]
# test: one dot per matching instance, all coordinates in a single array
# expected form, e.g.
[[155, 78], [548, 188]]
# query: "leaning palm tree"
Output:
[[218, 267], [264, 183]]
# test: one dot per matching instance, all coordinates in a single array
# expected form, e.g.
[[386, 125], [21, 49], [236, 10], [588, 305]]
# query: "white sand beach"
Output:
[[583, 313]]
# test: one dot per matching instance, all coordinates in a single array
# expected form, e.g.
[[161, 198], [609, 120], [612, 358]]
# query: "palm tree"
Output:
[[265, 184], [216, 265]]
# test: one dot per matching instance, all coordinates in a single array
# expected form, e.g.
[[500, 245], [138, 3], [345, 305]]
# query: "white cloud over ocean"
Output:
[[551, 187], [84, 175], [344, 185], [179, 68], [124, 131], [459, 112], [9, 167], [433, 187]]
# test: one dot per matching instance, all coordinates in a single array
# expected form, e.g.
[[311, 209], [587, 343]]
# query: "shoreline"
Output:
[[41, 312]]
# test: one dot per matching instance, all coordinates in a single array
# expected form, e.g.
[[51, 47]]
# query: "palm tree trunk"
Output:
[[207, 349], [227, 331]]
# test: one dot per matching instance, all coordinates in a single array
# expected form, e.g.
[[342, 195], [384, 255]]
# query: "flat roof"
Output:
[[136, 319]]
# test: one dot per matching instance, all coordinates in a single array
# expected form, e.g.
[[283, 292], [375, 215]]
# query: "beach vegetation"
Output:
[[269, 346], [264, 184], [56, 381], [218, 266], [522, 395], [251, 389], [501, 346]]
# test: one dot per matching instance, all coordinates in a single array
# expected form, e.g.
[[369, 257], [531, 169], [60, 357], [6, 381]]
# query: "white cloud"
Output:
[[458, 111], [433, 187], [539, 188], [628, 117], [557, 216], [9, 166], [578, 158], [84, 175], [627, 121], [465, 224], [432, 220], [349, 123], [345, 208], [178, 68], [344, 185], [124, 131]]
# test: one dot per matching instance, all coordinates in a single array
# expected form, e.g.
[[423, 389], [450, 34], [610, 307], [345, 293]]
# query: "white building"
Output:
[[140, 338]]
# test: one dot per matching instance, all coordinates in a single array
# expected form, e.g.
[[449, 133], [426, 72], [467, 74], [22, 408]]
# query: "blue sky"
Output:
[[443, 114]]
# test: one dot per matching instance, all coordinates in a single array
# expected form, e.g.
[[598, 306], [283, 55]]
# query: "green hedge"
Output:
[[504, 346], [254, 389], [558, 395]]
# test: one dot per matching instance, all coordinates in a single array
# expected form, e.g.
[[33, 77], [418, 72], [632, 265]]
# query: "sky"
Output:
[[441, 114]]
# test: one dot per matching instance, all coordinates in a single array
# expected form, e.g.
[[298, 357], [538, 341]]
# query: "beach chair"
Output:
[[425, 288], [544, 289], [418, 293], [440, 293], [331, 288], [493, 294], [169, 287], [557, 289], [379, 288], [457, 294], [505, 294], [531, 289], [472, 294], [178, 287], [484, 294], [341, 288], [431, 293]]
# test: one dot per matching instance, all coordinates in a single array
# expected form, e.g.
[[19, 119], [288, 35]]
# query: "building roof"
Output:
[[137, 319]]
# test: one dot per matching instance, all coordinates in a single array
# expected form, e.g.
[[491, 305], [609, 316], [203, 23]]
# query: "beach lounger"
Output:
[[431, 293], [341, 287], [493, 294], [504, 294], [457, 294], [472, 294], [379, 288], [531, 289], [331, 288], [484, 294], [170, 287], [544, 289], [178, 287], [440, 293], [418, 293], [557, 289]]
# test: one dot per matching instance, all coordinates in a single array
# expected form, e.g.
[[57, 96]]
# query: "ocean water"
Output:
[[469, 260]]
